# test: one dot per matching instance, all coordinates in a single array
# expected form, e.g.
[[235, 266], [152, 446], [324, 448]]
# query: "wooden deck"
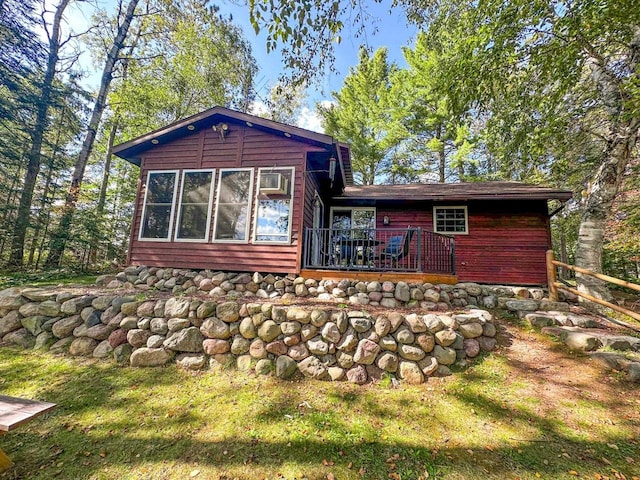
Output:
[[409, 277]]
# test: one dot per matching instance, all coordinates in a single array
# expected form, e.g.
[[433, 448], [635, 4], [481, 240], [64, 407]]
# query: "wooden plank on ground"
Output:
[[16, 411]]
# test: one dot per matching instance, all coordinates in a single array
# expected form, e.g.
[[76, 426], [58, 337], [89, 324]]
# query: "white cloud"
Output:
[[310, 119]]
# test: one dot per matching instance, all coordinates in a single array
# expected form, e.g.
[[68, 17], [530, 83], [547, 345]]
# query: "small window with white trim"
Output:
[[233, 205], [274, 207], [194, 210], [157, 213], [450, 220]]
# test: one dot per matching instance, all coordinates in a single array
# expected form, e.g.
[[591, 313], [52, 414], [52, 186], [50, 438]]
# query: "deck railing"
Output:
[[388, 249]]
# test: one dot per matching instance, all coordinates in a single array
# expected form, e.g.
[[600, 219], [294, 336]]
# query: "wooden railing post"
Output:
[[551, 277]]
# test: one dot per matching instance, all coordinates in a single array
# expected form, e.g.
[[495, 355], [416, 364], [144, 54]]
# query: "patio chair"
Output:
[[397, 248]]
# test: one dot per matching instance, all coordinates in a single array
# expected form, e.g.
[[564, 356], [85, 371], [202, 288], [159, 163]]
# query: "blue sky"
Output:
[[385, 28]]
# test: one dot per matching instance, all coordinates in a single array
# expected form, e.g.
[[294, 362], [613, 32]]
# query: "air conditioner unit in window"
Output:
[[273, 184]]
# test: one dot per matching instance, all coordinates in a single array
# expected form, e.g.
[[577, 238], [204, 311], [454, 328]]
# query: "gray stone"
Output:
[[522, 305], [336, 373], [43, 341], [10, 322], [428, 365], [344, 359], [155, 341], [349, 341], [331, 333], [138, 337], [547, 305], [61, 345], [582, 321], [442, 371], [264, 366], [247, 328], [388, 362], [445, 337], [228, 312], [21, 338], [12, 302], [444, 355], [29, 309], [580, 341], [186, 340], [432, 295], [176, 308], [240, 345], [80, 330], [388, 302], [317, 346], [357, 374], [382, 326], [490, 301], [319, 318], [83, 347], [290, 328], [416, 323], [366, 352], [269, 331], [471, 347], [633, 372], [103, 302], [103, 350], [38, 294], [122, 353], [100, 331], [312, 367], [129, 323], [159, 325], [91, 316], [426, 342], [433, 323], [150, 357], [388, 343], [489, 330], [129, 308], [257, 349], [402, 292], [285, 367], [470, 330], [539, 320], [487, 344], [34, 324], [298, 352], [64, 328], [307, 332], [213, 346], [191, 361], [404, 335], [215, 328], [410, 372], [295, 314], [409, 352]]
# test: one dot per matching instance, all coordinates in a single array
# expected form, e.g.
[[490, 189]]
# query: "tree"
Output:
[[45, 89], [520, 61], [361, 116], [60, 236]]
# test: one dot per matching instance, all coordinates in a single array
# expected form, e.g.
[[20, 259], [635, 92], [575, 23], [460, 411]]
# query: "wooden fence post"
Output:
[[551, 277]]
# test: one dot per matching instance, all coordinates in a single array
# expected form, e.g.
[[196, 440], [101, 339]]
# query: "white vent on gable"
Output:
[[273, 184]]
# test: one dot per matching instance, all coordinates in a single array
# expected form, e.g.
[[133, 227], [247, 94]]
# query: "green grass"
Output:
[[114, 422], [43, 278]]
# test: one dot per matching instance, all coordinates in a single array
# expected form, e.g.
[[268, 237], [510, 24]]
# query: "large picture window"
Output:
[[157, 215], [274, 206], [450, 220], [353, 222], [233, 205], [194, 211]]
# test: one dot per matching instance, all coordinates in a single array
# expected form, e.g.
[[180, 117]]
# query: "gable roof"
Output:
[[133, 149], [455, 192]]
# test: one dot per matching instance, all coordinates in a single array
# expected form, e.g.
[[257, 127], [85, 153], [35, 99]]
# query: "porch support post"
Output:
[[419, 249], [551, 277]]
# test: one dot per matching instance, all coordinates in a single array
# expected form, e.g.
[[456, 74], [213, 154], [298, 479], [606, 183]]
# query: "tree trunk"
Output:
[[62, 232], [103, 188], [37, 135], [622, 137]]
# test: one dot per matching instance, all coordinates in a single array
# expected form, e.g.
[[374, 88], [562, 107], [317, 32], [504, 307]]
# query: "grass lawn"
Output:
[[529, 411], [44, 278]]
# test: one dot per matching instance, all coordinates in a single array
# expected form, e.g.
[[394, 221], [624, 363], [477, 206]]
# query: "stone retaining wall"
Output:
[[331, 343]]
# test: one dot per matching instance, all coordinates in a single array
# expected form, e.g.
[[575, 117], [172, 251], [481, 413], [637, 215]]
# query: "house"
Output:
[[225, 190]]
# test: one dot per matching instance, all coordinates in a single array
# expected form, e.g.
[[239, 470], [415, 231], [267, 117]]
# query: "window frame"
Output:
[[171, 210], [257, 206], [337, 207], [209, 205], [249, 205], [452, 207]]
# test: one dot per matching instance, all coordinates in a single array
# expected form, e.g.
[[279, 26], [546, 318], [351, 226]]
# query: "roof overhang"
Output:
[[133, 150]]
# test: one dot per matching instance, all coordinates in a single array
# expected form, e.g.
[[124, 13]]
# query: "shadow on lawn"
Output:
[[317, 440]]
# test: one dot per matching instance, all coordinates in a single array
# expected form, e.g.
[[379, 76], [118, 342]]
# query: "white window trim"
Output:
[[215, 217], [172, 210], [257, 203], [456, 207], [373, 209], [209, 214]]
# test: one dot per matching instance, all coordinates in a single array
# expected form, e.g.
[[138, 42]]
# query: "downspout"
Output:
[[339, 155]]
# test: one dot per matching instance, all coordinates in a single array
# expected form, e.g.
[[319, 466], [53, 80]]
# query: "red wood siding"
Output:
[[243, 147], [506, 243]]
